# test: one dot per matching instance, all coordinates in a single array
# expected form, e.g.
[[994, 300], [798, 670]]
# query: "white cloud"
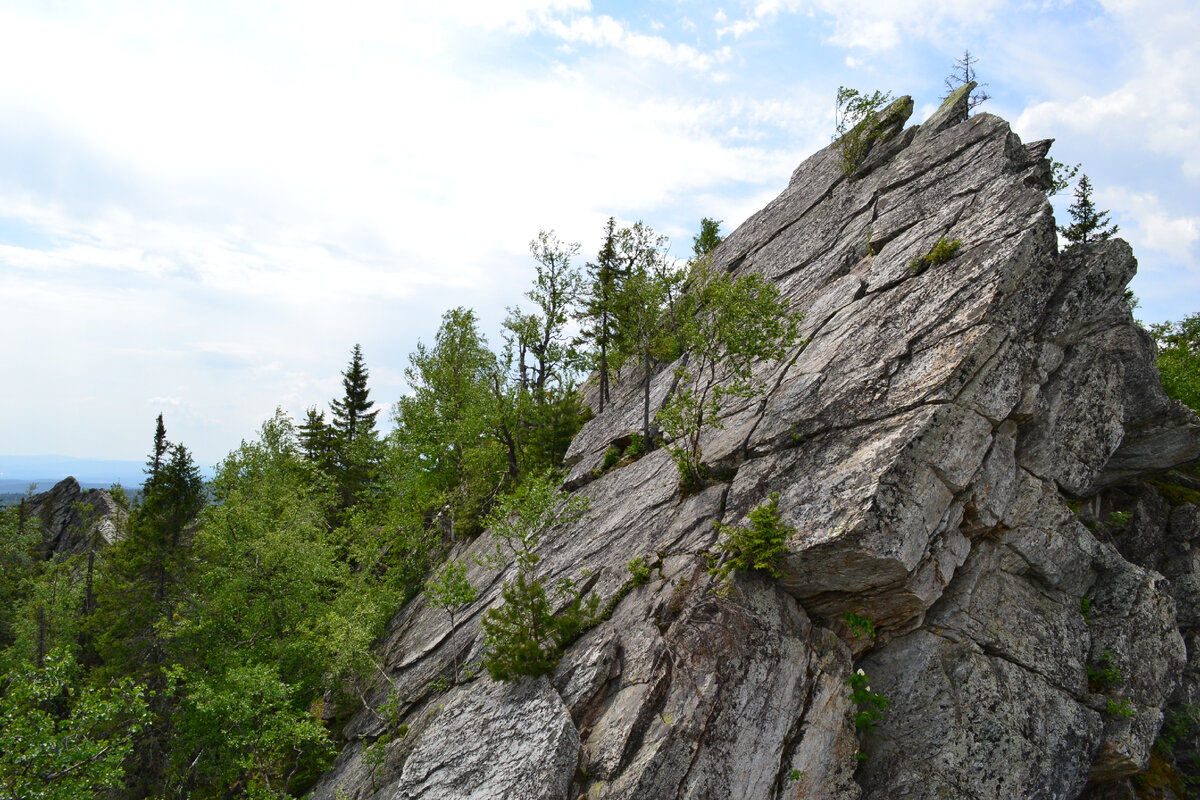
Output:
[[604, 31], [884, 24], [1155, 105], [1154, 226], [739, 28]]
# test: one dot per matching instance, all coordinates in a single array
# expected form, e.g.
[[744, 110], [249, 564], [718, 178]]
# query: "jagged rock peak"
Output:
[[74, 520], [937, 444]]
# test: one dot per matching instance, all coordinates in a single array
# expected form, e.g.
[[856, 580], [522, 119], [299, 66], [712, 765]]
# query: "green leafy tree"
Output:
[[543, 334], [650, 305], [1178, 359], [447, 425], [61, 739], [450, 590], [20, 546], [1089, 224], [709, 237], [733, 324], [857, 124], [276, 620]]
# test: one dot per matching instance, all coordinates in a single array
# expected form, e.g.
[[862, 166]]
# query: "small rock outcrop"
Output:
[[971, 456], [73, 520]]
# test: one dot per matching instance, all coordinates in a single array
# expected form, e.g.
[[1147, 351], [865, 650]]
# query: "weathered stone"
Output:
[[947, 445], [73, 520], [495, 741]]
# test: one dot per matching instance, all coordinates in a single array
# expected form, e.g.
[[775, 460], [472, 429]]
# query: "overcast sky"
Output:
[[204, 206]]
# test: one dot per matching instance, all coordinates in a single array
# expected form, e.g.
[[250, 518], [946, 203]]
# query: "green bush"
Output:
[[942, 252], [871, 705], [524, 636], [760, 546]]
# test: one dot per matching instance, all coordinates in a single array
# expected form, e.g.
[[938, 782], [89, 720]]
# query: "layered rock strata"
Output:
[[946, 443]]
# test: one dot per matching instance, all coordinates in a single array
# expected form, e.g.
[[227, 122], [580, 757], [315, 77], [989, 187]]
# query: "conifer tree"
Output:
[[1090, 225], [354, 431], [353, 418], [962, 73], [317, 439], [709, 237], [599, 312]]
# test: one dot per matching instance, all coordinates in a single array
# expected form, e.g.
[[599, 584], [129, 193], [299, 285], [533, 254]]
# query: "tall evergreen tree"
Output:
[[353, 418], [317, 439], [353, 427], [599, 313], [1090, 224]]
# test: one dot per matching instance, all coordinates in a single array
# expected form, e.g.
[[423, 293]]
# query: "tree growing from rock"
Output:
[[598, 316], [731, 325], [1089, 224], [962, 73], [857, 123]]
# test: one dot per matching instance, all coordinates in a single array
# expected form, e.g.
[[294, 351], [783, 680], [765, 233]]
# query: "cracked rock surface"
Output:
[[946, 445]]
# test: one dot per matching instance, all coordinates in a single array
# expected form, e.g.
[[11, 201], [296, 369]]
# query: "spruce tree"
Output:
[[1090, 225], [353, 418], [317, 439], [962, 73], [599, 313]]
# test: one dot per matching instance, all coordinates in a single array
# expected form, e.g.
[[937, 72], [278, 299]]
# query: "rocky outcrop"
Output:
[[73, 520], [946, 445]]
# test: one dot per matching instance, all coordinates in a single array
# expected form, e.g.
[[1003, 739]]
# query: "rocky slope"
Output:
[[73, 520], [963, 452]]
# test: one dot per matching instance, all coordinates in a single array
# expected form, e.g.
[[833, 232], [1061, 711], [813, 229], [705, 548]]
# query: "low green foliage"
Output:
[[941, 253], [857, 125], [871, 705], [525, 635], [862, 627], [795, 774], [1085, 608], [1120, 707], [639, 571], [61, 740], [1103, 674], [758, 546], [1119, 519]]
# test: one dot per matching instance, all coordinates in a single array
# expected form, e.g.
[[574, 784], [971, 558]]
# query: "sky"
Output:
[[205, 206]]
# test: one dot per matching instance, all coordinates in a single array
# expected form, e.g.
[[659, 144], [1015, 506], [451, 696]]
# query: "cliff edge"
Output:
[[971, 454]]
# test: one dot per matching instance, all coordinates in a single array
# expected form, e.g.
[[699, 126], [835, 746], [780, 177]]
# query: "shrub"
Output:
[[942, 252], [756, 547], [871, 705]]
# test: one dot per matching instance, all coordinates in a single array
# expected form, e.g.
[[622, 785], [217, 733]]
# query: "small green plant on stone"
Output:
[[1119, 519], [1104, 674], [1120, 707], [1085, 609], [857, 125], [942, 252], [639, 571], [611, 456], [795, 774], [862, 627], [759, 546], [636, 447], [871, 705]]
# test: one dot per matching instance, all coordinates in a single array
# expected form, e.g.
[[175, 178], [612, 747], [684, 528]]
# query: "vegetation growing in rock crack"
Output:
[[944, 250], [528, 632], [869, 705], [857, 125], [759, 546], [731, 326], [450, 590]]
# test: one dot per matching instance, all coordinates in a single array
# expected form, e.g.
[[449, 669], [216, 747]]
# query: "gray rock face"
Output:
[[949, 446], [73, 520]]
